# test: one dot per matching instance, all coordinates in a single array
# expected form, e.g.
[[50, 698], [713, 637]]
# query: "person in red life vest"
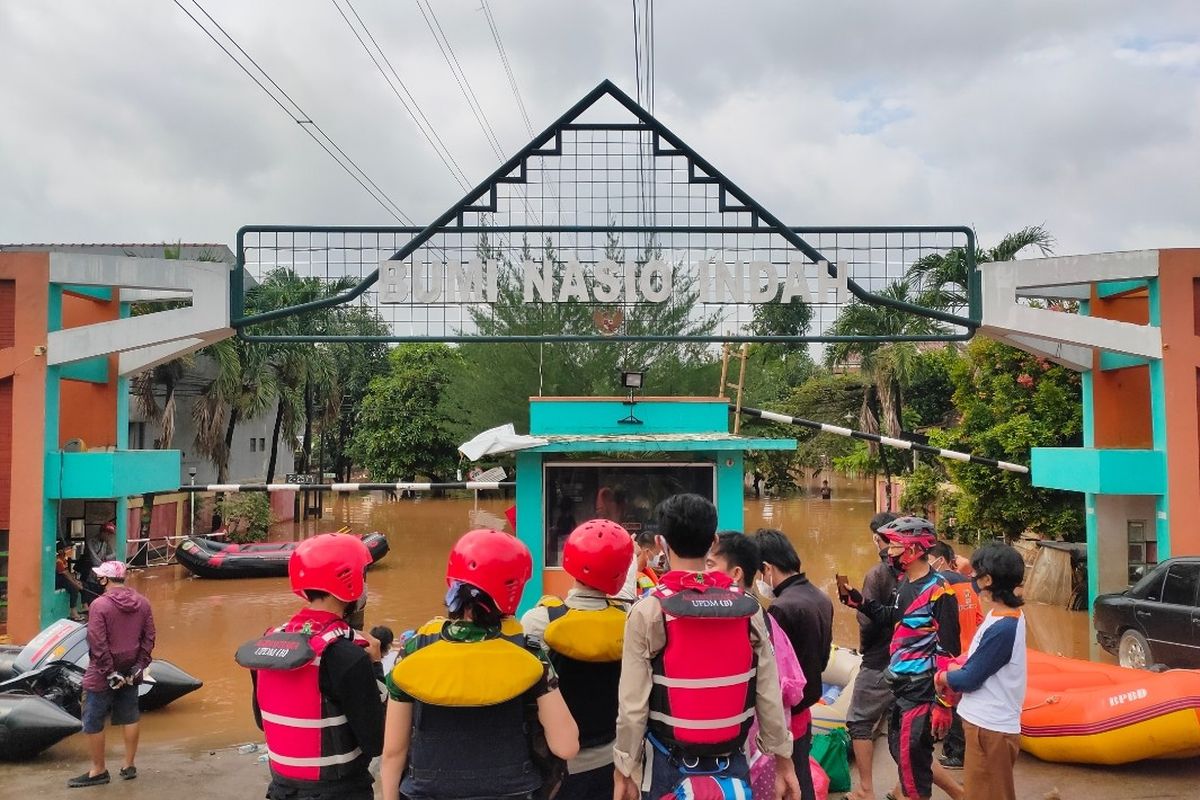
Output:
[[696, 668], [315, 693], [120, 638], [970, 617], [806, 616], [738, 557], [469, 689], [584, 634], [925, 637], [649, 554]]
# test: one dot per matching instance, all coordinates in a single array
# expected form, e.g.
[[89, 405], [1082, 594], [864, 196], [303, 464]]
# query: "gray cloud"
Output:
[[123, 122]]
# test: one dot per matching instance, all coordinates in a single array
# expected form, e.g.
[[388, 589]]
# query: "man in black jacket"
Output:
[[805, 615]]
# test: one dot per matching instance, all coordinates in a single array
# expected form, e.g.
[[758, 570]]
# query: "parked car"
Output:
[[1157, 620]]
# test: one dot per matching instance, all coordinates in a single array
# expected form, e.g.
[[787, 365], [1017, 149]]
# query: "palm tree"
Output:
[[886, 365], [944, 277], [301, 371], [243, 388]]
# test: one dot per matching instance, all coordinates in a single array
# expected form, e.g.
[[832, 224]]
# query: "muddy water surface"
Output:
[[201, 622]]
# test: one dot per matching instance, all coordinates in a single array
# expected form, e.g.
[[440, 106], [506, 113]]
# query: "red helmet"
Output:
[[598, 553], [915, 534], [492, 562], [330, 562]]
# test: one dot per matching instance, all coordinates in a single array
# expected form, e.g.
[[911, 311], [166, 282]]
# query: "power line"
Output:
[[464, 85], [297, 114], [410, 104], [512, 82]]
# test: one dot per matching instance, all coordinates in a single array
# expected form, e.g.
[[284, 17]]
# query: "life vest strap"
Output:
[[320, 761], [299, 722], [705, 683], [701, 724]]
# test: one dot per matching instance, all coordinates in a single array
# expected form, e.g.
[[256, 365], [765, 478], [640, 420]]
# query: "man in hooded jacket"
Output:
[[120, 642]]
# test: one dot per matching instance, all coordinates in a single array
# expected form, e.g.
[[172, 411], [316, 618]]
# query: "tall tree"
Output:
[[943, 276], [402, 432]]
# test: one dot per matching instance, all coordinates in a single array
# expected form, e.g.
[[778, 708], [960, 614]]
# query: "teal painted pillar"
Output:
[[1089, 500], [529, 523], [53, 604], [729, 491], [1158, 420], [122, 502]]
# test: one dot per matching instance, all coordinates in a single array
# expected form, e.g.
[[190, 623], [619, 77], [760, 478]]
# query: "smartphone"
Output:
[[843, 585]]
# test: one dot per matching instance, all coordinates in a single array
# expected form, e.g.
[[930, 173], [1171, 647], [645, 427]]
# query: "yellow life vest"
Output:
[[442, 672], [584, 635]]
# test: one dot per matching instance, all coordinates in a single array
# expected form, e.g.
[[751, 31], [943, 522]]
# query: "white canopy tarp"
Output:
[[503, 439]]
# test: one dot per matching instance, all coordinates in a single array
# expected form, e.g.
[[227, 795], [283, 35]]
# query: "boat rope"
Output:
[[903, 444], [233, 488]]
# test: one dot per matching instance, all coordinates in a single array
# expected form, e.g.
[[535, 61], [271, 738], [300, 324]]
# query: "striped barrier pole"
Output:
[[233, 488], [902, 444]]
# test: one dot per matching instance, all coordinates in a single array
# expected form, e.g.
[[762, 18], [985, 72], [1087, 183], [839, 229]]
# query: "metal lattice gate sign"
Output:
[[605, 227]]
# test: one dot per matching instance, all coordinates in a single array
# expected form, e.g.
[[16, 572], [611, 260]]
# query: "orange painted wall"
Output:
[[31, 273], [1121, 397], [88, 411], [1181, 359]]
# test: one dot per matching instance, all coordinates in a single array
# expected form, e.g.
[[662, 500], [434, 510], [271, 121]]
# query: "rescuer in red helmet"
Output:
[[315, 693], [457, 724], [584, 634]]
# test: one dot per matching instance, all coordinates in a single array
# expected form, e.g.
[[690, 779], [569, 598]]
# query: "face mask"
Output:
[[896, 562], [764, 589]]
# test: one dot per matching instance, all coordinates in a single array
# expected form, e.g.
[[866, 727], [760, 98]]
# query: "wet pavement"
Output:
[[201, 622]]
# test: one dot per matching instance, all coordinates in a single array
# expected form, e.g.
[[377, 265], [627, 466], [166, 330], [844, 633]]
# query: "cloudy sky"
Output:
[[123, 122]]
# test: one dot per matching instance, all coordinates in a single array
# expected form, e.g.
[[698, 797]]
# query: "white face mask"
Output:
[[764, 588]]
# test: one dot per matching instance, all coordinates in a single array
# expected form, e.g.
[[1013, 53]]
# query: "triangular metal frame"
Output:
[[484, 198]]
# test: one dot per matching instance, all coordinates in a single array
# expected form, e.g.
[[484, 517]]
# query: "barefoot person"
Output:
[[120, 636]]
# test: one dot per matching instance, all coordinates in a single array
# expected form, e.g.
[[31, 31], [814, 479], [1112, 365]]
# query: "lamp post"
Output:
[[632, 381], [192, 502]]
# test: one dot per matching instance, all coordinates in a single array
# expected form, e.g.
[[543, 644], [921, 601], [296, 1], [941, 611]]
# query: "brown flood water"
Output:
[[201, 622]]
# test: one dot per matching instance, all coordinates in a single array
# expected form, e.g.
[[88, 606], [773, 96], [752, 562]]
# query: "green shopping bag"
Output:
[[832, 752]]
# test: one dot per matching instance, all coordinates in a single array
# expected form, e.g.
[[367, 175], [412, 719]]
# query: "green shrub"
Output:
[[247, 517]]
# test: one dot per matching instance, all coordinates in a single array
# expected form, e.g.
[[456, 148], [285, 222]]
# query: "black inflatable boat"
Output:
[[41, 683], [208, 558]]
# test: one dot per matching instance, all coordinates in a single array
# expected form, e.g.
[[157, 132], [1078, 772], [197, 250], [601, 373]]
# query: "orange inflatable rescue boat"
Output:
[[1085, 713]]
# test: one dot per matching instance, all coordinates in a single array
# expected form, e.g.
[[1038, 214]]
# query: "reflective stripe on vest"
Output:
[[703, 680], [705, 683], [320, 761], [702, 724], [308, 737], [300, 722]]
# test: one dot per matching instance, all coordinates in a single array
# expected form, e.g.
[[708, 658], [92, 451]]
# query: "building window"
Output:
[[253, 444], [262, 444], [1143, 549]]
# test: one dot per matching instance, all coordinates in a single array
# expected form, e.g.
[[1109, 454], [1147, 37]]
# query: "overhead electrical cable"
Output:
[[290, 107], [403, 94]]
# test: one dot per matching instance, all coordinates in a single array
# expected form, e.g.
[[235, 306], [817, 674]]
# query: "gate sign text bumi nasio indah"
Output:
[[478, 281]]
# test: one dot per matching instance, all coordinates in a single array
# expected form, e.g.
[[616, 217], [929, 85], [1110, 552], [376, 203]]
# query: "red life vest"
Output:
[[308, 737], [702, 700]]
